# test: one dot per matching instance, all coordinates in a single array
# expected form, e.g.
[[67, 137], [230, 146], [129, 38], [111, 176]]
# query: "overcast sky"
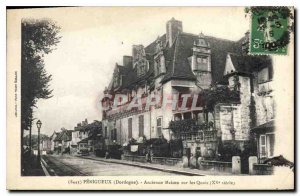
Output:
[[94, 39]]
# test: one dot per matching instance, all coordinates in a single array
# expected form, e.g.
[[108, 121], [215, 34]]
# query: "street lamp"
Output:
[[39, 125]]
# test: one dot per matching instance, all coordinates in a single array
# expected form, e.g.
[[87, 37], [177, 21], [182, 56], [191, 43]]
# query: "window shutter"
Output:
[[141, 126]]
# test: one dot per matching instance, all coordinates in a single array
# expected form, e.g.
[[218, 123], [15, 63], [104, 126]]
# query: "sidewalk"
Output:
[[164, 168]]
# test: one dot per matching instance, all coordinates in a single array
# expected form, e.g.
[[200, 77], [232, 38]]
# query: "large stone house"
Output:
[[178, 63]]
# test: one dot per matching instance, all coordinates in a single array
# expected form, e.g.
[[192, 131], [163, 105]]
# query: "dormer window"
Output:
[[116, 81], [142, 67], [160, 65], [201, 63], [141, 70]]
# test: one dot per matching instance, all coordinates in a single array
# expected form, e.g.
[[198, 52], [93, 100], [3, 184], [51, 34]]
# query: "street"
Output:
[[75, 166]]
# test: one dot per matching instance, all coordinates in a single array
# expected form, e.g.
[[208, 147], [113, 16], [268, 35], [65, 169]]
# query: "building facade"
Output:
[[177, 64]]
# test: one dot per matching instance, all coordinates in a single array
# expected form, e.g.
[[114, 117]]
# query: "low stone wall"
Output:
[[155, 160], [167, 161], [262, 169], [215, 165], [134, 158]]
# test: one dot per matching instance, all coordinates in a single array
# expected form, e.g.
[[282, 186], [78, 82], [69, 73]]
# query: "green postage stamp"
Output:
[[270, 30]]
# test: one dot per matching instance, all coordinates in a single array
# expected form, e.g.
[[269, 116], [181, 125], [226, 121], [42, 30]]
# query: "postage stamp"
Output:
[[270, 30]]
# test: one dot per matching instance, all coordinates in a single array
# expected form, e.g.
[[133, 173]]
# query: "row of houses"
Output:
[[183, 63], [84, 138]]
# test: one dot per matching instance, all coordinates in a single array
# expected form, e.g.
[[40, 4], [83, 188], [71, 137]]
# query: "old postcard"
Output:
[[150, 98]]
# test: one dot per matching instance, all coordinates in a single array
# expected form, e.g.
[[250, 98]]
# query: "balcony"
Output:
[[190, 130], [199, 136]]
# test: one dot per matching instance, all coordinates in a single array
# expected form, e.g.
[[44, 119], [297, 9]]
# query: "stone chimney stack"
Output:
[[173, 28], [127, 61]]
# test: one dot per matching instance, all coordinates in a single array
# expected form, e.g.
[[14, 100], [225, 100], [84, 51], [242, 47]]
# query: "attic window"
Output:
[[201, 63], [142, 67]]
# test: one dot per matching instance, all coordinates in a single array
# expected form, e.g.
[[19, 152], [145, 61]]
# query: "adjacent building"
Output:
[[62, 143]]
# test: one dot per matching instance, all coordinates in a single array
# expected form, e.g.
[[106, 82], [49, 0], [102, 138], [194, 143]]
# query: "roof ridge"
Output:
[[210, 36]]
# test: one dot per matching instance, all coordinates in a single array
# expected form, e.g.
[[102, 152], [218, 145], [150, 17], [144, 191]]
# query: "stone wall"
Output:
[[262, 169], [264, 101]]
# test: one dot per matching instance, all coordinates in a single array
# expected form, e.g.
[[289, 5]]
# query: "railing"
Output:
[[201, 136]]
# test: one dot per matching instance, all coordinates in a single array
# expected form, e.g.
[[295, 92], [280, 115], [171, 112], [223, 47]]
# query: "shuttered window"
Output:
[[141, 126], [114, 134], [129, 128], [159, 126]]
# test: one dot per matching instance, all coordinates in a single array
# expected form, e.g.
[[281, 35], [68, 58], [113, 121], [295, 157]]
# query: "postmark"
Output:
[[270, 30]]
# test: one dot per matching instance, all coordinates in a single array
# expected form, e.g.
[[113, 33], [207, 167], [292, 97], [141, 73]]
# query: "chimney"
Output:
[[173, 28], [127, 61]]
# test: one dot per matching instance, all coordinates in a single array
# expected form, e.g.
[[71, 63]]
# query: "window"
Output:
[[159, 126], [114, 134], [141, 126], [129, 128], [116, 80], [142, 68], [263, 75], [201, 63], [105, 132], [157, 66], [263, 146]]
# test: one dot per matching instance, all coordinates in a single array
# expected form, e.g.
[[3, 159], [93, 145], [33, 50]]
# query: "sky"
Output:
[[95, 38]]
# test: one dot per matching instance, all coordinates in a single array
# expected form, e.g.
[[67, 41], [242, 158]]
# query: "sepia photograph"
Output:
[[178, 97]]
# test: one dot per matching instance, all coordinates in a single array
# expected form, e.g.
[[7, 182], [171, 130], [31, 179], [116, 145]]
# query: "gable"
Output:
[[229, 67]]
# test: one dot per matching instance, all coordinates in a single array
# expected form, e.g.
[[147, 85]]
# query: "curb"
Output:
[[47, 170], [145, 166]]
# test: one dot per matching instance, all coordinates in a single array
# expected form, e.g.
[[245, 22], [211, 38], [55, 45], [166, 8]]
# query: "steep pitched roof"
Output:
[[54, 135], [65, 135], [181, 50], [249, 64], [150, 49], [264, 128], [178, 66]]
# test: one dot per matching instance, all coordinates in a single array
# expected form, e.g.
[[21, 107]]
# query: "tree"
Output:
[[38, 37]]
